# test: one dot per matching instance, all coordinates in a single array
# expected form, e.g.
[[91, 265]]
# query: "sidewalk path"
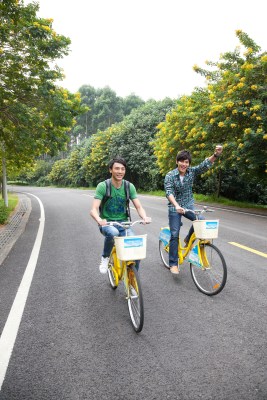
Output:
[[10, 232]]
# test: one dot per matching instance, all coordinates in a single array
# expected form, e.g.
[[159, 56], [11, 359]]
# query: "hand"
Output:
[[147, 220], [218, 150], [103, 222], [180, 210]]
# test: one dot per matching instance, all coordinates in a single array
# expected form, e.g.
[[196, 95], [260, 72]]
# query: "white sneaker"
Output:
[[103, 267]]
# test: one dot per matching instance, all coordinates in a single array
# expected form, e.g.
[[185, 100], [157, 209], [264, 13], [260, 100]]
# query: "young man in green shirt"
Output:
[[114, 209]]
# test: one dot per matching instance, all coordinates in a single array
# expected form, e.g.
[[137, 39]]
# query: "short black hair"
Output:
[[117, 159], [184, 155]]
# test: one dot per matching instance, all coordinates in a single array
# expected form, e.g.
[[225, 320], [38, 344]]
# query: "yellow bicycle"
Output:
[[207, 264], [126, 251]]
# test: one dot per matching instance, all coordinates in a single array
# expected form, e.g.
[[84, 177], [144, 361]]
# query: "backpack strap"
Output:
[[127, 193], [108, 188], [107, 194]]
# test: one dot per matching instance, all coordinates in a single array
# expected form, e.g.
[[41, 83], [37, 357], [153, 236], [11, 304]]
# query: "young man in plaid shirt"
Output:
[[178, 185]]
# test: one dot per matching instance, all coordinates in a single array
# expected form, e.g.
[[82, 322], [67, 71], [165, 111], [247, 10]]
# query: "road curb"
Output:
[[252, 211]]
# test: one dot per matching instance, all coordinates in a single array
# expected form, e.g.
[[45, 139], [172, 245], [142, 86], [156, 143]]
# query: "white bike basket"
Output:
[[131, 247], [206, 229]]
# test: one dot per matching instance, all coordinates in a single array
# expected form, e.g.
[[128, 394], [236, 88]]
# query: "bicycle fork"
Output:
[[128, 282]]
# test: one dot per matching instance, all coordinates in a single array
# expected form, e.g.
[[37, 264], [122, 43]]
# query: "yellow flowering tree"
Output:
[[237, 115], [231, 110], [182, 129]]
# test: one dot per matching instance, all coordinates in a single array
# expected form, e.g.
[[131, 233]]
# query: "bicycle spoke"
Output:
[[112, 275], [211, 278], [135, 299], [164, 253]]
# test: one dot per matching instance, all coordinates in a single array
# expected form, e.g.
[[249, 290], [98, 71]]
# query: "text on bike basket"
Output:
[[205, 229], [133, 242]]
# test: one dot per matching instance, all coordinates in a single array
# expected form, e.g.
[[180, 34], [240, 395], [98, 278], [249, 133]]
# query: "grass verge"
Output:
[[212, 199], [6, 211]]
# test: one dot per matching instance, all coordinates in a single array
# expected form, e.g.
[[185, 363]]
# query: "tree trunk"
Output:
[[4, 184]]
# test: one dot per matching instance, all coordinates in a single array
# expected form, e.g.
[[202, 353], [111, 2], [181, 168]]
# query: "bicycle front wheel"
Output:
[[211, 278], [164, 254], [112, 274], [135, 299]]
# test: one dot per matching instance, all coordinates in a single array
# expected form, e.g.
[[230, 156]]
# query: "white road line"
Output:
[[11, 327]]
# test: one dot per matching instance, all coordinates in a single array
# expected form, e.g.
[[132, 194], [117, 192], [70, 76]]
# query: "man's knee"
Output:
[[109, 231]]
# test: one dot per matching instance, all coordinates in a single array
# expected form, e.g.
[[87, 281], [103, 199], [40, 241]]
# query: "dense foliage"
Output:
[[105, 108], [35, 113], [230, 110]]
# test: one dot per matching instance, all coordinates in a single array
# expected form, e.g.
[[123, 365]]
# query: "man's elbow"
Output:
[[92, 212]]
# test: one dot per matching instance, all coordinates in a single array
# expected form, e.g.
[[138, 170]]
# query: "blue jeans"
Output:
[[109, 232], [175, 223]]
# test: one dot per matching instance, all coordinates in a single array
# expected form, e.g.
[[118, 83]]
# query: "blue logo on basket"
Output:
[[133, 242], [211, 224]]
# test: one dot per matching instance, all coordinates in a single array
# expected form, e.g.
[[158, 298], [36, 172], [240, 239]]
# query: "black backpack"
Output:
[[108, 196]]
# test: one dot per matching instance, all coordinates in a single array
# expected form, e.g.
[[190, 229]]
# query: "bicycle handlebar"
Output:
[[127, 224], [198, 212]]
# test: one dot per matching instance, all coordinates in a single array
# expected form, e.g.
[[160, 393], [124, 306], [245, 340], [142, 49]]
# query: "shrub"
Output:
[[3, 212]]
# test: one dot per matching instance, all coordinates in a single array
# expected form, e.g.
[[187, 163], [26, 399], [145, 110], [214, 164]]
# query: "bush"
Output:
[[3, 212], [233, 186]]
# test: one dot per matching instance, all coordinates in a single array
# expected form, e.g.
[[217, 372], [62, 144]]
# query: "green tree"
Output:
[[104, 109], [131, 140], [35, 113], [131, 102], [95, 164], [59, 173], [36, 173]]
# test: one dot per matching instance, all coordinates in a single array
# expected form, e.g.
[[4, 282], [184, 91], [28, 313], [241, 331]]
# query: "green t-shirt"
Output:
[[115, 207]]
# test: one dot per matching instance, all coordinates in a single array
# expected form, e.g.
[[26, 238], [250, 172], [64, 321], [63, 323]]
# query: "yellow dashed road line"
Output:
[[249, 249]]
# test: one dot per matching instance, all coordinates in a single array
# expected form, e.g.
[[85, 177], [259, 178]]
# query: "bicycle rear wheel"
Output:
[[164, 254], [210, 279], [135, 299], [112, 274]]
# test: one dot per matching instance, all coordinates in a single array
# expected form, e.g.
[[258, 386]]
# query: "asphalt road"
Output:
[[75, 340]]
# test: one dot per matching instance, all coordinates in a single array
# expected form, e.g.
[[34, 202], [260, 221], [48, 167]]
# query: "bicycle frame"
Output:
[[184, 251], [207, 264], [120, 271]]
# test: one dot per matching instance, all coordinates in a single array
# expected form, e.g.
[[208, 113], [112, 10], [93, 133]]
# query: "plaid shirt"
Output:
[[183, 191]]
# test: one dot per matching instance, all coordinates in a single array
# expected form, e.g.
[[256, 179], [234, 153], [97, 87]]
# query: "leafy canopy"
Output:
[[232, 110], [35, 113]]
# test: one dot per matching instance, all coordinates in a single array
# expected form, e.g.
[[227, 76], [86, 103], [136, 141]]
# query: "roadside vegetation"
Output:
[[49, 136], [5, 212]]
